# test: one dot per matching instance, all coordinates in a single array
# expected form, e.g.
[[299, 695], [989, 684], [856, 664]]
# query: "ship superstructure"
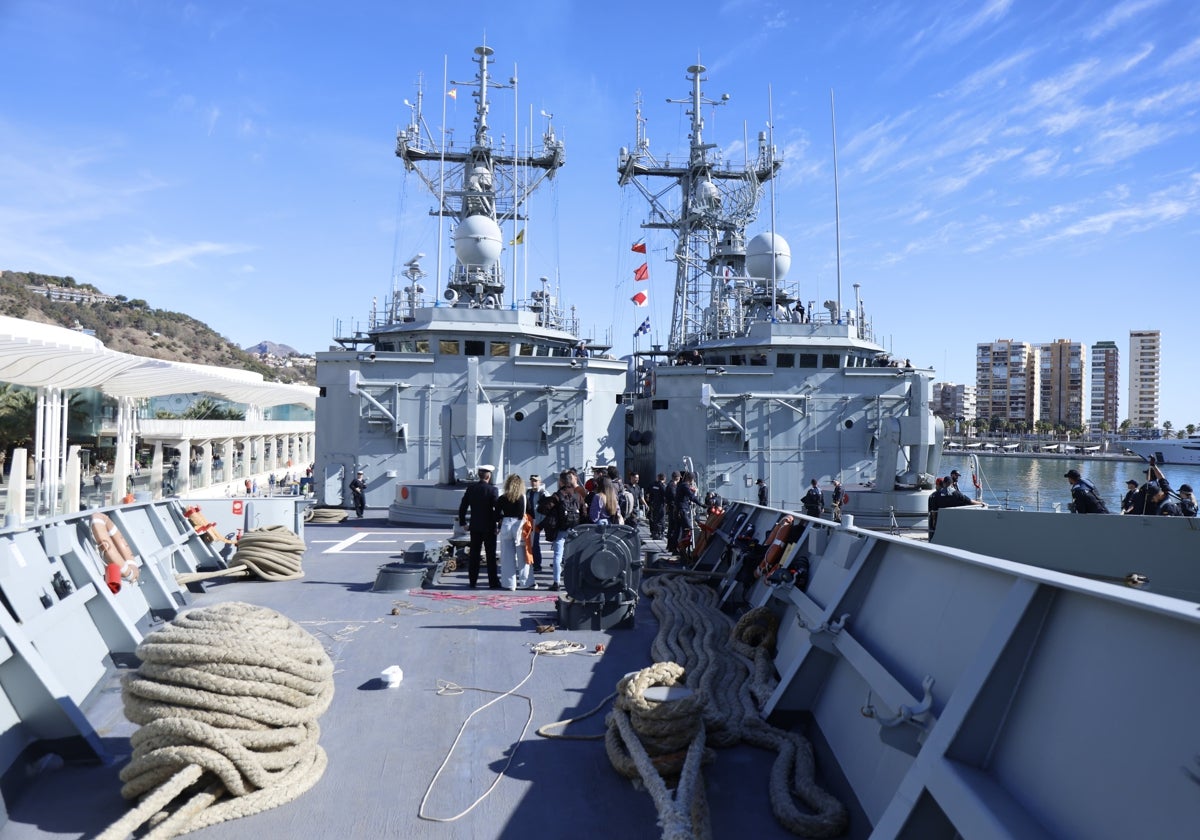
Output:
[[757, 383], [433, 388]]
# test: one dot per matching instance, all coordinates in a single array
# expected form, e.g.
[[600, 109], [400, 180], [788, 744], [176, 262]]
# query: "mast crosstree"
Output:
[[707, 205]]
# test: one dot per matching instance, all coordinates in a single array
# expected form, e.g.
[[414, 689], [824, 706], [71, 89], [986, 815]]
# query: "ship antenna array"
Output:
[[837, 210]]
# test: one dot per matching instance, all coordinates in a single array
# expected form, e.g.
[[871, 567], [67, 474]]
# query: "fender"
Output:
[[119, 561], [770, 561]]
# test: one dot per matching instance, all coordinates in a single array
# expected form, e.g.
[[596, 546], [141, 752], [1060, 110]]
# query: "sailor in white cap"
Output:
[[358, 492], [480, 499]]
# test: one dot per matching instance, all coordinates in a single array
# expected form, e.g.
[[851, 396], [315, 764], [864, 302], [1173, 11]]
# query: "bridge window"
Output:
[[501, 348], [475, 347], [785, 360], [831, 360]]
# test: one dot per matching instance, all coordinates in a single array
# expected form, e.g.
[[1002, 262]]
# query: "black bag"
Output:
[[568, 510]]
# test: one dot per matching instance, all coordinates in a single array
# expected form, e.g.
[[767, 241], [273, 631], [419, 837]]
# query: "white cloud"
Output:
[[1184, 55], [154, 254], [1118, 15]]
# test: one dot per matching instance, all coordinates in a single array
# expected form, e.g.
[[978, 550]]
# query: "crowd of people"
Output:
[[1153, 497], [509, 547]]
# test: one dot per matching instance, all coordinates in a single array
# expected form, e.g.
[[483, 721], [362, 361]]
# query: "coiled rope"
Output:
[[271, 553], [227, 698], [696, 634], [662, 744], [325, 515]]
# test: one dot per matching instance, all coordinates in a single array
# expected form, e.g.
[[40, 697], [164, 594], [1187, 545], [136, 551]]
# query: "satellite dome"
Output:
[[477, 241], [765, 249]]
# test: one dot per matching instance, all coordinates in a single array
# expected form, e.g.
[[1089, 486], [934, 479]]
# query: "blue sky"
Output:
[[1021, 169]]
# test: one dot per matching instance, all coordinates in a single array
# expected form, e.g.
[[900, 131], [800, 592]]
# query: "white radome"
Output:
[[477, 241], [762, 250]]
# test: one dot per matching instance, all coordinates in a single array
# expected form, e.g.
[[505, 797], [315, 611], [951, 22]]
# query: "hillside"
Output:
[[130, 326]]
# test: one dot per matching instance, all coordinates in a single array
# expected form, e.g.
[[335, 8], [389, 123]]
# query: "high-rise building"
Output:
[[1106, 370], [1006, 376], [1145, 358], [1062, 382], [954, 402]]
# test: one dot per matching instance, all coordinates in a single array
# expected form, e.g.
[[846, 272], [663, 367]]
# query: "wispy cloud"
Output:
[[995, 75], [975, 167], [1184, 55], [153, 253], [1119, 15]]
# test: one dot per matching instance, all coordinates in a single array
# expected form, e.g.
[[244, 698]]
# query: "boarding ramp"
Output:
[[957, 694]]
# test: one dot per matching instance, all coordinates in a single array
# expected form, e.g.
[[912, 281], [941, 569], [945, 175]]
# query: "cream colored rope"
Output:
[[227, 698]]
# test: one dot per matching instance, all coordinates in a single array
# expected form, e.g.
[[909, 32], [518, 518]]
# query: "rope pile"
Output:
[[663, 745], [695, 633], [271, 553], [325, 515], [227, 698]]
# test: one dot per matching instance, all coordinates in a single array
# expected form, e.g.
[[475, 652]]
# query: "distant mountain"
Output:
[[270, 348], [132, 326]]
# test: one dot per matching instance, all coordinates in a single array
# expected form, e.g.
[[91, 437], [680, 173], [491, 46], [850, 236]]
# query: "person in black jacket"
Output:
[[358, 491], [480, 499], [656, 499], [1083, 494]]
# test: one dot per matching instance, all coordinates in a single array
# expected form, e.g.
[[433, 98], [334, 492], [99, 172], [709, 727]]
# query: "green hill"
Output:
[[130, 326]]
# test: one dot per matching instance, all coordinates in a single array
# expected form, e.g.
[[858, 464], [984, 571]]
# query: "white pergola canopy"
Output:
[[42, 355]]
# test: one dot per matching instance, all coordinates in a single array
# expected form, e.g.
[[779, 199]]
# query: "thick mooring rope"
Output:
[[227, 698], [662, 744], [325, 515], [271, 553], [696, 634]]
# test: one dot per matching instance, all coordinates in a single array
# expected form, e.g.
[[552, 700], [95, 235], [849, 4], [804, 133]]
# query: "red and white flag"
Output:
[[642, 272], [641, 298], [639, 246]]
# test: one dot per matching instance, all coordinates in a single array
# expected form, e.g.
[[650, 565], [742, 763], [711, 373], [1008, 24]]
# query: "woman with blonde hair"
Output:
[[510, 508]]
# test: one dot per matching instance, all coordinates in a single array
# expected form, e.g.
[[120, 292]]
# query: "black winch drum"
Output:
[[398, 577]]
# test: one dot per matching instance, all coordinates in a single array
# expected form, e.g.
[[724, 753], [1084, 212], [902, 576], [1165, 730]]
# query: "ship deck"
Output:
[[386, 745]]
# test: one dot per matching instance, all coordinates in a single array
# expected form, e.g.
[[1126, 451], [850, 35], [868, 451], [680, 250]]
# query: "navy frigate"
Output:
[[434, 387], [755, 384]]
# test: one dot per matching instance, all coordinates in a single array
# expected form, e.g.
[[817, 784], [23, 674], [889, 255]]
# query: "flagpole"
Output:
[[516, 190], [442, 172]]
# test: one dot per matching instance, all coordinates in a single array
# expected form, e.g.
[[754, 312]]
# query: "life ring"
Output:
[[708, 528], [207, 530], [975, 480], [770, 561], [119, 562]]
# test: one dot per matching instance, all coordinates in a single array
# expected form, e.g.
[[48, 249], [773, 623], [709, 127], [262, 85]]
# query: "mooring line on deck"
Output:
[[445, 688]]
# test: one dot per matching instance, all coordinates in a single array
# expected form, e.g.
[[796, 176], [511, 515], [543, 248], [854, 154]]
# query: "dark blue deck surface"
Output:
[[386, 744]]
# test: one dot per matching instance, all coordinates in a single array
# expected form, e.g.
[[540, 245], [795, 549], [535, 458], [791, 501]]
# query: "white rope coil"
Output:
[[694, 633], [271, 553], [227, 698]]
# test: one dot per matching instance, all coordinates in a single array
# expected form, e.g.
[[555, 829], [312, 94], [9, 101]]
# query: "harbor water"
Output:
[[1032, 483]]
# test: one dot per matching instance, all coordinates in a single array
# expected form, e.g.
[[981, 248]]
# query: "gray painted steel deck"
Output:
[[385, 745]]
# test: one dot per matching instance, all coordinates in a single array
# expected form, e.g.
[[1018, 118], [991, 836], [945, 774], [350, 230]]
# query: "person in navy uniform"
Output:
[[762, 493], [480, 499], [533, 498], [358, 492], [813, 501], [1084, 498]]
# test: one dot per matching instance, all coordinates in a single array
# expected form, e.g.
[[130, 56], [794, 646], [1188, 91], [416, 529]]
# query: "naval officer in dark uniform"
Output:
[[480, 499]]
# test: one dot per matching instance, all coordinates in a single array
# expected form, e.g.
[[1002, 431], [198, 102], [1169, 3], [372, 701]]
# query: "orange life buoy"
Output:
[[770, 561], [708, 528], [975, 480], [207, 530], [118, 557]]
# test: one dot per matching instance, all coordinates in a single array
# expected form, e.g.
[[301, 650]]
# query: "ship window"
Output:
[[785, 360], [447, 347], [475, 347], [501, 348], [831, 360], [658, 405], [808, 360], [714, 360], [422, 345], [737, 359], [525, 350], [758, 360]]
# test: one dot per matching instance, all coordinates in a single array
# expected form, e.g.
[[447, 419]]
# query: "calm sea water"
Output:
[[1038, 483]]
